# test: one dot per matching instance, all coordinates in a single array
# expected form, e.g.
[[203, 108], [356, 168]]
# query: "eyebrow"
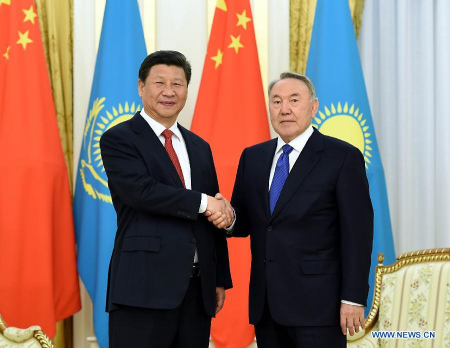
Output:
[[165, 77], [292, 95]]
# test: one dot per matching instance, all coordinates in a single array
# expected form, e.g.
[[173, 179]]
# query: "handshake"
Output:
[[219, 211]]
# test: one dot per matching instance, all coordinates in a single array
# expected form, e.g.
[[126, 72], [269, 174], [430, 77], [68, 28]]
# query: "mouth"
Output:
[[167, 103]]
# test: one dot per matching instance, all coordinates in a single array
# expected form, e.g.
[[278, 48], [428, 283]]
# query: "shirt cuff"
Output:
[[203, 204], [229, 229], [352, 303]]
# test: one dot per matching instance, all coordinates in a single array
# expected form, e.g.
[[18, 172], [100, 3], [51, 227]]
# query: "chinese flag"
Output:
[[38, 280], [231, 115]]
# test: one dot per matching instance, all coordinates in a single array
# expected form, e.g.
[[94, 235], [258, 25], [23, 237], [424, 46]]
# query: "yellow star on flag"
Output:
[[243, 19], [218, 58], [30, 15], [235, 43], [6, 54], [6, 2], [24, 40], [220, 4]]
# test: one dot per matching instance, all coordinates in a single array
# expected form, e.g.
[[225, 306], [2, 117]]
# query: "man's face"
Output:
[[164, 93], [291, 108]]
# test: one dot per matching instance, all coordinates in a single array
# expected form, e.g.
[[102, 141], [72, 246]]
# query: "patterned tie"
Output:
[[172, 154], [280, 176]]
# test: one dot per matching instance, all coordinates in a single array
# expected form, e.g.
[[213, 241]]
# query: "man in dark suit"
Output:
[[304, 200], [169, 268]]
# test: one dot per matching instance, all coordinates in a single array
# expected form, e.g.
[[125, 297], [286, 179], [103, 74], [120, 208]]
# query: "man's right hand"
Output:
[[219, 211]]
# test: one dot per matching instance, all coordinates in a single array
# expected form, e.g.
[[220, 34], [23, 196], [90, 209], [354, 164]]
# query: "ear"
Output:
[[315, 107], [140, 87]]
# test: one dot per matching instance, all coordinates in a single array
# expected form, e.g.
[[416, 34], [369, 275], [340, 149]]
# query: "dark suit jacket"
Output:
[[158, 222], [314, 250]]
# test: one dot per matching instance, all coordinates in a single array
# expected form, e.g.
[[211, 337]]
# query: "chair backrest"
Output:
[[33, 337], [413, 295]]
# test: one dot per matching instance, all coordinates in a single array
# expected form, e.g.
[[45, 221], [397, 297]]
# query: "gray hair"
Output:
[[293, 75]]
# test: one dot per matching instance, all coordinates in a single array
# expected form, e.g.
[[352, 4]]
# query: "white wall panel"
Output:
[[278, 38], [182, 26], [278, 42]]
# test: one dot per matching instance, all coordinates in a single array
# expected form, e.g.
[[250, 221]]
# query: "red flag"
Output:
[[39, 280], [231, 114]]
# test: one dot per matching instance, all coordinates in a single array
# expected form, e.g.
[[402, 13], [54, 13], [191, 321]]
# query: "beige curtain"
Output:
[[301, 23], [55, 20]]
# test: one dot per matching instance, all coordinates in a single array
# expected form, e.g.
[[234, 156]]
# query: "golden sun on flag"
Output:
[[116, 116], [98, 122], [346, 123]]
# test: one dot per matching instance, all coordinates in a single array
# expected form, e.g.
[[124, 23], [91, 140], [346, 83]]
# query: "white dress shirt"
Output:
[[180, 148], [297, 144]]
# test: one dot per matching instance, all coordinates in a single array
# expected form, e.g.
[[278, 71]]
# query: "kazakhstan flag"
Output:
[[114, 98], [335, 69]]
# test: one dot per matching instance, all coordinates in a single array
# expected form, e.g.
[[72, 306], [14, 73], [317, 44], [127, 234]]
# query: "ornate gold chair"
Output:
[[412, 297], [33, 337]]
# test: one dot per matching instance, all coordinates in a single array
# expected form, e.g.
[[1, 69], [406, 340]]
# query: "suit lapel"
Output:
[[151, 144], [305, 163], [194, 158], [265, 164]]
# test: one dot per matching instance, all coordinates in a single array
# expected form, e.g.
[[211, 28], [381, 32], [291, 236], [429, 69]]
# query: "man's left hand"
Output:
[[352, 317], [220, 298]]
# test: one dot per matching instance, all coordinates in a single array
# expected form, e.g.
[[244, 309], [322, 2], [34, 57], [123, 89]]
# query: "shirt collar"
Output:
[[297, 143], [158, 128]]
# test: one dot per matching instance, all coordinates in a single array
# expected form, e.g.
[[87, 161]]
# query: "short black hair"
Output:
[[167, 58]]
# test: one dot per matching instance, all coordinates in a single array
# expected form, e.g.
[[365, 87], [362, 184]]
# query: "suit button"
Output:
[[269, 228], [264, 260], [193, 240]]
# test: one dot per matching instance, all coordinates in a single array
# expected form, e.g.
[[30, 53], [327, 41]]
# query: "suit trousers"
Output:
[[270, 334], [187, 326]]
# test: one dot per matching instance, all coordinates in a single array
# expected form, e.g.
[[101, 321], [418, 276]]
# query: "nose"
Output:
[[168, 90], [285, 109]]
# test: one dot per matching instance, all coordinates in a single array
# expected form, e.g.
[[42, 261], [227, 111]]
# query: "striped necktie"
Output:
[[172, 154], [280, 176]]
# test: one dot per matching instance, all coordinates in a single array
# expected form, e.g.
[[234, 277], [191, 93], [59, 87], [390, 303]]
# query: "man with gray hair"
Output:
[[303, 197]]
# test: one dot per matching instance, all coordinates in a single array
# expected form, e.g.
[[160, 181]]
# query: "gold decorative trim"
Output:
[[406, 259], [43, 339], [39, 335], [3, 325]]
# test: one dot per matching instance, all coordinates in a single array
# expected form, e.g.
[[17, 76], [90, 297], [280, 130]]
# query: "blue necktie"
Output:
[[280, 176]]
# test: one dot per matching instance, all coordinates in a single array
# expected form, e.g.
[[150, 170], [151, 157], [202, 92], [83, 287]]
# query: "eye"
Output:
[[294, 100], [276, 102], [176, 84], [159, 83]]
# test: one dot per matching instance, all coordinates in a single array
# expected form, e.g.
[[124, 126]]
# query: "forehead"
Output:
[[288, 87], [167, 71]]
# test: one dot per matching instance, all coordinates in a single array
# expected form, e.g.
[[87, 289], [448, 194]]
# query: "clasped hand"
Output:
[[219, 211]]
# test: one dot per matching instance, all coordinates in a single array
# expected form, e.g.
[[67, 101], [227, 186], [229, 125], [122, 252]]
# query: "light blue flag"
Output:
[[114, 98], [335, 69]]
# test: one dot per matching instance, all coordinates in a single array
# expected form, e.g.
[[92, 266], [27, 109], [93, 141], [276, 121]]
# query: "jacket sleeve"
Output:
[[356, 226], [223, 274], [128, 177], [242, 224]]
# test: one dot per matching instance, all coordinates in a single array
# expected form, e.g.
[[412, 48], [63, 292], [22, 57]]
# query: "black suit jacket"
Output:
[[158, 224], [314, 250]]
